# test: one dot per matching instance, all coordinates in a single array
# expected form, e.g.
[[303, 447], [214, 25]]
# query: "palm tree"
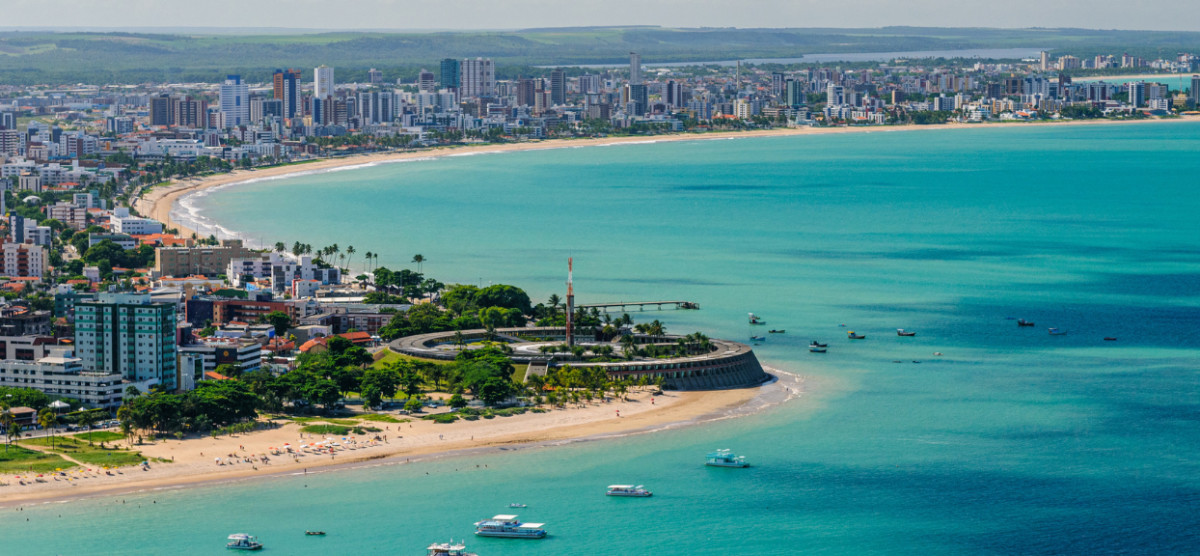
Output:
[[46, 419], [349, 256], [554, 302], [280, 247], [367, 256], [10, 427], [419, 259]]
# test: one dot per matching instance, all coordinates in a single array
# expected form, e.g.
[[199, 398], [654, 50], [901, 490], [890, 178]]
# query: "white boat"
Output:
[[516, 505], [755, 319], [726, 458], [449, 549], [628, 490], [508, 526], [242, 541]]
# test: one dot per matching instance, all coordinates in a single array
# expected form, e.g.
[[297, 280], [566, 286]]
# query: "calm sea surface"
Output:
[[1013, 441]]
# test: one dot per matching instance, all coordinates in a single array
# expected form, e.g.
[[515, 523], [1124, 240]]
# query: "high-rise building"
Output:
[[450, 76], [1194, 92], [425, 81], [189, 112], [323, 82], [673, 94], [558, 87], [835, 95], [160, 110], [235, 101], [793, 94], [525, 89], [127, 334], [24, 260], [1045, 61], [635, 68], [8, 120], [478, 78], [1137, 93], [286, 87], [374, 76], [777, 84], [376, 107], [10, 143], [639, 100], [589, 84]]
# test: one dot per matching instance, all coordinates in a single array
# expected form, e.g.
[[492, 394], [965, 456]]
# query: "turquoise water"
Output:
[[1013, 441]]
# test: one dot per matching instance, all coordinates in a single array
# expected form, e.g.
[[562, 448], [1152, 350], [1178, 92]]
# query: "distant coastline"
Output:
[[160, 202]]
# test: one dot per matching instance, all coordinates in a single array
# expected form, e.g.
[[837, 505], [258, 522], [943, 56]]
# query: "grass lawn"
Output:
[[100, 436], [377, 417], [17, 460], [92, 455], [518, 375], [336, 430], [390, 356]]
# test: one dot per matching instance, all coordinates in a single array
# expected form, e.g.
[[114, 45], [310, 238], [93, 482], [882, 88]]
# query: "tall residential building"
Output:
[[777, 84], [639, 100], [525, 89], [1194, 93], [635, 68], [286, 87], [835, 95], [425, 81], [558, 87], [794, 94], [24, 260], [376, 107], [374, 76], [450, 76], [1137, 93], [323, 82], [160, 110], [1045, 61], [235, 101], [127, 334], [673, 94], [478, 78], [189, 112]]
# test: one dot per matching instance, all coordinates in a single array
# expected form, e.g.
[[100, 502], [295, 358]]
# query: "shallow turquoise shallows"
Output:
[[1013, 441]]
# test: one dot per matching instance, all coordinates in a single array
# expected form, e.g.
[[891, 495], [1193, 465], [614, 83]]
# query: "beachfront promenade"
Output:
[[726, 365]]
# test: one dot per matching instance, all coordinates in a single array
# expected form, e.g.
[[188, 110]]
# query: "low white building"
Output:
[[136, 226], [60, 374], [304, 288]]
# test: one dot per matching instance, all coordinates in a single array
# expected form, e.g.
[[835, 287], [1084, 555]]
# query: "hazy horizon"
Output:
[[490, 15]]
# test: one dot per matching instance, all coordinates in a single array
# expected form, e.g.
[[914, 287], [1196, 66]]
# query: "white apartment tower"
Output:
[[478, 78], [635, 68], [235, 101], [323, 82]]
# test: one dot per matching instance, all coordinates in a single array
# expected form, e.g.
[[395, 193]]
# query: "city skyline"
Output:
[[526, 14]]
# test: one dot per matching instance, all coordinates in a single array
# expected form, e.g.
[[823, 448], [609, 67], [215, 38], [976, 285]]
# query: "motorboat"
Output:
[[902, 332], [855, 336], [816, 349], [755, 319], [1057, 332], [1109, 339], [448, 549], [242, 541], [315, 533], [725, 458], [628, 490], [773, 331], [758, 338], [1023, 322], [816, 344], [508, 526], [516, 505]]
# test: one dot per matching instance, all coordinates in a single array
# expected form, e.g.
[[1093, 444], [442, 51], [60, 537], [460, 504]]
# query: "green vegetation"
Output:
[[120, 57], [336, 430], [91, 454], [17, 460], [379, 418], [99, 436]]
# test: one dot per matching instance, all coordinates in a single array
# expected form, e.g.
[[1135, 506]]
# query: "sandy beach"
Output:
[[158, 202], [195, 459]]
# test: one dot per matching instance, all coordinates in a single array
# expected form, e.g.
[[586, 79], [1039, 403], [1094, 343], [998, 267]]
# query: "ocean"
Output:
[[1011, 441]]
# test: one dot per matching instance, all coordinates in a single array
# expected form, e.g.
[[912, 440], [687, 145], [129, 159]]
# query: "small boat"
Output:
[[815, 349], [725, 458], [507, 526], [1023, 322], [1109, 339], [449, 549], [855, 336], [901, 332], [516, 505], [777, 331], [755, 319], [315, 533], [628, 490], [816, 344], [758, 338], [1057, 332], [242, 541]]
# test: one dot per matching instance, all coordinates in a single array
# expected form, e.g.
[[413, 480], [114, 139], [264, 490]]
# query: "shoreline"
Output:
[[424, 443], [160, 202]]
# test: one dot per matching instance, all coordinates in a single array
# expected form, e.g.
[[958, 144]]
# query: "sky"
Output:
[[1179, 15]]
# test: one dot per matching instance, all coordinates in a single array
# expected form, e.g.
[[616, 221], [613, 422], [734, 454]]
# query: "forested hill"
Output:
[[124, 57]]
